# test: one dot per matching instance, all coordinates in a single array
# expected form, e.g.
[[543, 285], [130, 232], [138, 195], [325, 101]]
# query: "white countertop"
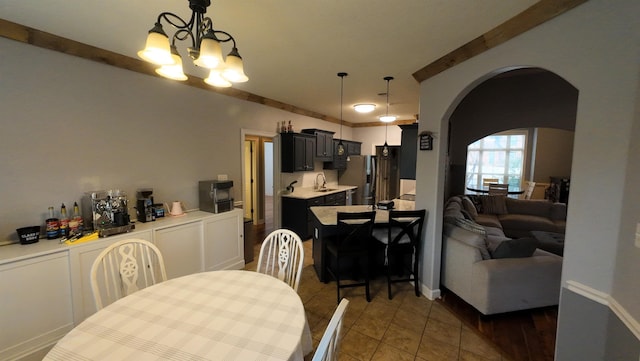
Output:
[[16, 252], [309, 192], [327, 214]]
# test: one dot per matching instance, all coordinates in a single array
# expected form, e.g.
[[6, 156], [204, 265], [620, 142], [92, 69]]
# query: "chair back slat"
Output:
[[496, 189], [354, 229]]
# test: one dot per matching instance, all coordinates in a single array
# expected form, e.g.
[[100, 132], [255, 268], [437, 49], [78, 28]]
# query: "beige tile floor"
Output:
[[405, 328]]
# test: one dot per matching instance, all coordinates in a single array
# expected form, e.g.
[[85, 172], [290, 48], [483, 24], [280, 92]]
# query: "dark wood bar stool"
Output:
[[401, 239], [351, 242]]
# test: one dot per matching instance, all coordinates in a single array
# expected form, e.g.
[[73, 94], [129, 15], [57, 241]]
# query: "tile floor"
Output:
[[405, 328]]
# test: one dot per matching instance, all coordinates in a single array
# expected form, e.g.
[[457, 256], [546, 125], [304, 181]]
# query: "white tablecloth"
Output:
[[221, 315]]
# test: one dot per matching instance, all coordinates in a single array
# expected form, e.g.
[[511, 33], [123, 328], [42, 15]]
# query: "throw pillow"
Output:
[[494, 204], [516, 248], [469, 207], [470, 226]]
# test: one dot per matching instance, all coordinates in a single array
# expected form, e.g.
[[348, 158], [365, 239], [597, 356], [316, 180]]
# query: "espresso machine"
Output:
[[144, 205], [106, 212]]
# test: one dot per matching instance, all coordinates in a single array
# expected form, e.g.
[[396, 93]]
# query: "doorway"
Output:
[[258, 180]]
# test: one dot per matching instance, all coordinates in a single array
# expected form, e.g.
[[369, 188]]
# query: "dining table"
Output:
[[513, 190], [218, 315]]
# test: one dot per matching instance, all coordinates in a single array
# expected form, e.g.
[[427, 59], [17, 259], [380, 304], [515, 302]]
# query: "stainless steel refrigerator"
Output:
[[361, 172]]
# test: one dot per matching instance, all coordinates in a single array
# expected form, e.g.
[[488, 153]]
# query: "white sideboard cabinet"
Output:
[[45, 287], [35, 304]]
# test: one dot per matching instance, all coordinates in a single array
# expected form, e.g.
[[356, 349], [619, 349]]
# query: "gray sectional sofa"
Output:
[[491, 271]]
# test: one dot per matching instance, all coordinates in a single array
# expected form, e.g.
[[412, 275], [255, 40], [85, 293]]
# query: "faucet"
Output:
[[324, 181]]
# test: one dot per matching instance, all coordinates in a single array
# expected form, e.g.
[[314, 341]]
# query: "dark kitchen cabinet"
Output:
[[324, 143], [297, 152], [339, 162], [408, 151], [297, 216]]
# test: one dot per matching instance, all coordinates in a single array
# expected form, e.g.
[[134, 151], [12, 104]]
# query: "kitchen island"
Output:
[[325, 224]]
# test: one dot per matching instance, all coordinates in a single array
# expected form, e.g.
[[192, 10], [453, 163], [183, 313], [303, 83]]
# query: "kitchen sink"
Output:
[[325, 189]]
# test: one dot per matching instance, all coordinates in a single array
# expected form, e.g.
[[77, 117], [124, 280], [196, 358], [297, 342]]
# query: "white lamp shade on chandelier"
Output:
[[206, 50]]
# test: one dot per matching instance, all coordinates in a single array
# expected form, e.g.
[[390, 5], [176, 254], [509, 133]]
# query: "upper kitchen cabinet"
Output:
[[297, 152], [340, 161], [324, 143], [408, 150]]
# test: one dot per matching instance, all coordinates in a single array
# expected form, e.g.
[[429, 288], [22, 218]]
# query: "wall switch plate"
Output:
[[223, 177]]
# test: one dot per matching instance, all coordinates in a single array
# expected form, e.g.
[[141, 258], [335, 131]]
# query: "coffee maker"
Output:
[[144, 205], [106, 212]]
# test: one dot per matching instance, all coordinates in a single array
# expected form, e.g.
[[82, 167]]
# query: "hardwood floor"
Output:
[[528, 335]]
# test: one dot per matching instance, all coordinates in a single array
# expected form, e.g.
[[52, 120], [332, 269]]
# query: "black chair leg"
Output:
[[416, 279], [366, 280], [337, 276]]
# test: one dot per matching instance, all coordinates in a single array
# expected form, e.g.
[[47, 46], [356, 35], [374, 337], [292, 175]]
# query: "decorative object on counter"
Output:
[[176, 209], [205, 47], [52, 227], [387, 119], [28, 235], [290, 186], [340, 149]]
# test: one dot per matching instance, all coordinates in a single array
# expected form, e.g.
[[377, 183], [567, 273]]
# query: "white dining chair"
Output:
[[496, 189], [329, 345], [282, 256], [125, 267], [529, 186]]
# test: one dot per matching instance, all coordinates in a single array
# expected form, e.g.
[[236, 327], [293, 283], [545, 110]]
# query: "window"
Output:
[[500, 156]]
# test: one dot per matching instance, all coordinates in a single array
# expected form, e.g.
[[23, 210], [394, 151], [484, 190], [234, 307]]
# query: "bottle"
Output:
[[289, 128], [52, 225], [75, 223], [283, 128], [64, 222]]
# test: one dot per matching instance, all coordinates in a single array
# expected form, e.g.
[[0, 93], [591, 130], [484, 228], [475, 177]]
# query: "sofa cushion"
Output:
[[488, 220], [515, 248], [468, 206], [525, 222], [537, 207], [494, 205], [473, 239]]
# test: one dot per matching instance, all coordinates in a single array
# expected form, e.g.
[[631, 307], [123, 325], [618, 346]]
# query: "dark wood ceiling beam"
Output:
[[53, 42], [535, 15]]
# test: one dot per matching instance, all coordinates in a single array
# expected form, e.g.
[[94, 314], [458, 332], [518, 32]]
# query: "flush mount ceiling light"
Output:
[[364, 108], [387, 118], [205, 49], [340, 149]]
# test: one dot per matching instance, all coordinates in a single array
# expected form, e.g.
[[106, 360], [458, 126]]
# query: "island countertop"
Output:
[[327, 215], [309, 192]]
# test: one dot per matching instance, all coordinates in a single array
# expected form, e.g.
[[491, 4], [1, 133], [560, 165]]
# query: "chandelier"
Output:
[[205, 49]]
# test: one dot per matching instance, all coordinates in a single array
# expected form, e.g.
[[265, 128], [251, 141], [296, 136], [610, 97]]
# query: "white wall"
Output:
[[595, 47]]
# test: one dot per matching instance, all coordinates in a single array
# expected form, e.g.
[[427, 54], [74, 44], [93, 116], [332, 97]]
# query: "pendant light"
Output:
[[386, 119], [340, 149]]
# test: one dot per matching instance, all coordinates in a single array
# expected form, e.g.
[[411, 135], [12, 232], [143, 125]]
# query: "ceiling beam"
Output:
[[535, 15], [25, 34]]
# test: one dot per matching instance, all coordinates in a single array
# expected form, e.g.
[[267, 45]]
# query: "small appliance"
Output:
[[216, 196], [106, 212], [144, 205]]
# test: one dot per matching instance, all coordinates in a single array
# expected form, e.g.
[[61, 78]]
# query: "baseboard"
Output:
[[605, 299]]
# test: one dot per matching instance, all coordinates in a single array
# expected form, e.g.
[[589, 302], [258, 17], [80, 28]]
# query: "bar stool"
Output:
[[354, 234], [402, 238]]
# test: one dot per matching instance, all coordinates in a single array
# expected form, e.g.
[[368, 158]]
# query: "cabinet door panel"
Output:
[[224, 241], [35, 310], [181, 249]]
